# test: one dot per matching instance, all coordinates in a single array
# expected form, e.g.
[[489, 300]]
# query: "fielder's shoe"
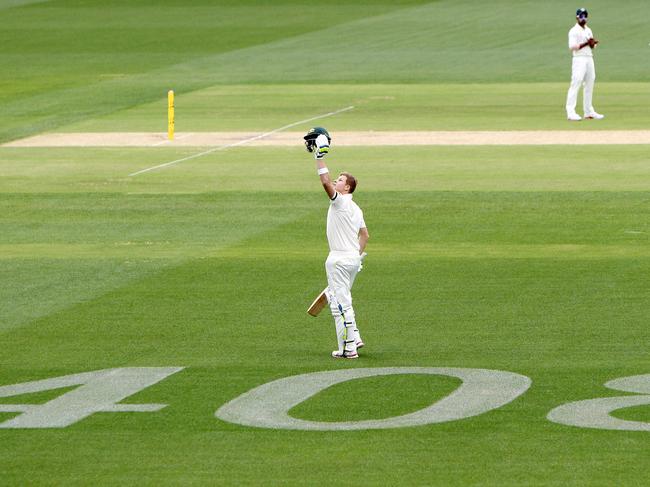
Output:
[[344, 354], [594, 116], [573, 117], [360, 344]]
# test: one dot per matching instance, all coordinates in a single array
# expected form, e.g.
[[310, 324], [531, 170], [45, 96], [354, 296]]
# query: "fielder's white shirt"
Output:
[[344, 220], [577, 36]]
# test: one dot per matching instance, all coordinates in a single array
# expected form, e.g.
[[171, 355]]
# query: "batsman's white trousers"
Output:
[[583, 71], [341, 269]]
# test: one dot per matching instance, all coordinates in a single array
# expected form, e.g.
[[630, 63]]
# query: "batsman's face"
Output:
[[340, 184]]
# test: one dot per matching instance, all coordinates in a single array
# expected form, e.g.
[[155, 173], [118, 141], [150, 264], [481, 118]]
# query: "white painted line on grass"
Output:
[[241, 142]]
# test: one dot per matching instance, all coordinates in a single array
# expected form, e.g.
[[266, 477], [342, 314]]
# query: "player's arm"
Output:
[[577, 47], [325, 179], [320, 146], [363, 239], [574, 45], [317, 141], [589, 42]]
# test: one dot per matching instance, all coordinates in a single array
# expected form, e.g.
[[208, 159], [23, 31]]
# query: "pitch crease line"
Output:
[[241, 142], [180, 137]]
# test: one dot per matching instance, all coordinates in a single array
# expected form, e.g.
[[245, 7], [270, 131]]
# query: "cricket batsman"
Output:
[[347, 236]]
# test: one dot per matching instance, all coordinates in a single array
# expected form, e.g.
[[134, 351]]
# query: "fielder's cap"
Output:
[[582, 12], [315, 132]]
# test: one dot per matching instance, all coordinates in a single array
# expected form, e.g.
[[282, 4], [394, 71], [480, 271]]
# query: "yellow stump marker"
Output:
[[170, 114]]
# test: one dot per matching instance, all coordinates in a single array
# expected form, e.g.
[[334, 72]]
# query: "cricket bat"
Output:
[[319, 303]]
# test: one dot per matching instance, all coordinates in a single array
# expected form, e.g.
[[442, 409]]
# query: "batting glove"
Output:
[[322, 146]]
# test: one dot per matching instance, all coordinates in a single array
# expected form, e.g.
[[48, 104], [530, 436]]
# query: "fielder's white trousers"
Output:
[[582, 72], [341, 269]]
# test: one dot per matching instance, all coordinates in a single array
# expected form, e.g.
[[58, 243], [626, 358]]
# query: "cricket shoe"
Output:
[[360, 344], [573, 117], [594, 116], [344, 354]]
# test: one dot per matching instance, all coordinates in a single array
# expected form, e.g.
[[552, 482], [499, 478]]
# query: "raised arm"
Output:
[[325, 180], [317, 141]]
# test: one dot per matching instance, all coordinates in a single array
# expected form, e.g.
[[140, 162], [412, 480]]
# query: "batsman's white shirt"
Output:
[[577, 36], [344, 220]]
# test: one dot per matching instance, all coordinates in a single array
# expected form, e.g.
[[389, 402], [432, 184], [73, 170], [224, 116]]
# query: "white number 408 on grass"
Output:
[[267, 406]]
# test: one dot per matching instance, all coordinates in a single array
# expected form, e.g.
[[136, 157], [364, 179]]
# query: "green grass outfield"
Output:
[[549, 281], [533, 260]]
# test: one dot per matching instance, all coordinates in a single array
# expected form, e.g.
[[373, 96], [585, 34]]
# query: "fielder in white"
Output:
[[583, 72], [347, 235]]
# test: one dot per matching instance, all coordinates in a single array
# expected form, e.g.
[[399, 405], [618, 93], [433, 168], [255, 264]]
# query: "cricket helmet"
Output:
[[315, 132]]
